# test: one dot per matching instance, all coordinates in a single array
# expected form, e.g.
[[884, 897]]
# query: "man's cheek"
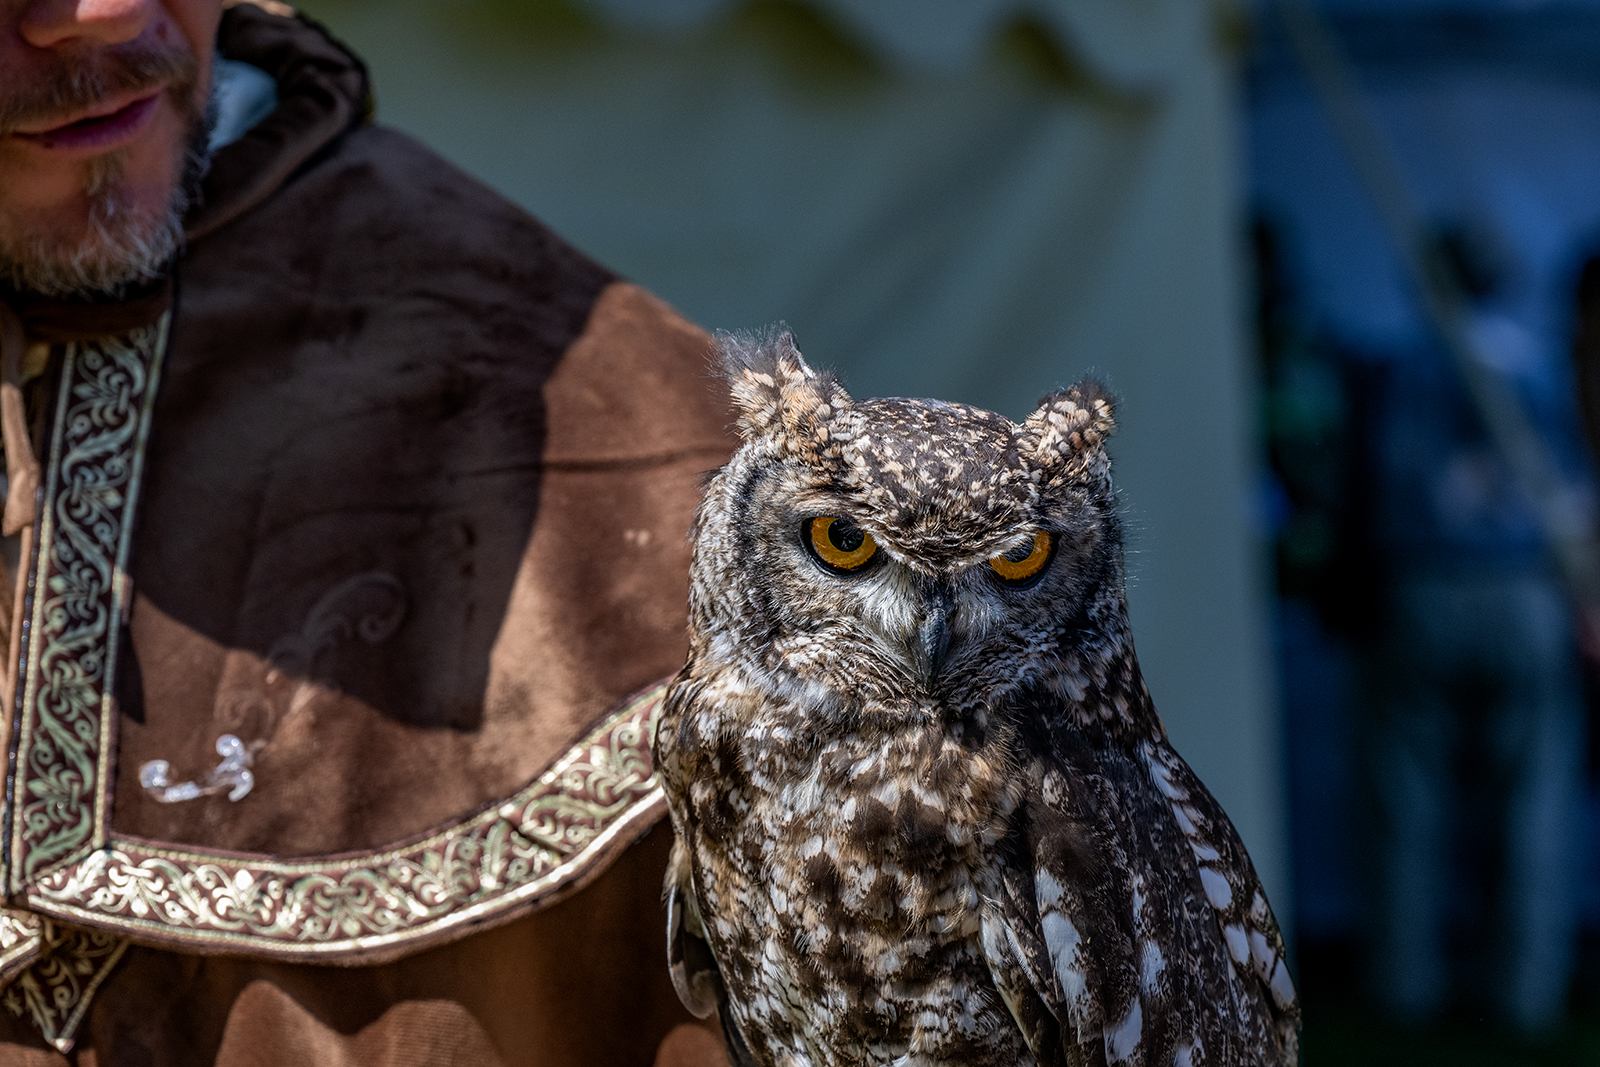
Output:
[[153, 166]]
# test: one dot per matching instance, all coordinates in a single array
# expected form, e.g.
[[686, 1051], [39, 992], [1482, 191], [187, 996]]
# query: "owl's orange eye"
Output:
[[1024, 564], [839, 544]]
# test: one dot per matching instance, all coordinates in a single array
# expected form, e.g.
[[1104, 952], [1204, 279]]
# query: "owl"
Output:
[[925, 811]]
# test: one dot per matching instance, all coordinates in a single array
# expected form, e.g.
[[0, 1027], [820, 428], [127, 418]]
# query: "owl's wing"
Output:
[[689, 960], [1131, 928]]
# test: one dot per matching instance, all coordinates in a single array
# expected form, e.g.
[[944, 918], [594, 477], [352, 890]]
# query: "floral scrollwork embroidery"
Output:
[[490, 862], [56, 808], [56, 990], [22, 939]]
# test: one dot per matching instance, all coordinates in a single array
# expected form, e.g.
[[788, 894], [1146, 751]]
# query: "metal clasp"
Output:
[[232, 774]]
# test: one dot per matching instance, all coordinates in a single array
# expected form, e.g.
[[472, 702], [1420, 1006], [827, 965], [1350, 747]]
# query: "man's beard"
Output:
[[122, 244]]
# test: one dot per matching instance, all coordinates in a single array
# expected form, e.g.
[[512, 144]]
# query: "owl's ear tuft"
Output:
[[1071, 422], [775, 392]]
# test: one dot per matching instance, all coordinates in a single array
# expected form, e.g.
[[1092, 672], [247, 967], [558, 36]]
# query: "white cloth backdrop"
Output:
[[934, 213]]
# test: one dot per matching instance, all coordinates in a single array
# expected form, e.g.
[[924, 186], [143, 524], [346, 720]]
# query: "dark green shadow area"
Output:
[[1342, 1029], [802, 45]]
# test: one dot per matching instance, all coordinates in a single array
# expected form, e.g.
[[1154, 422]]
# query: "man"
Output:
[[344, 553]]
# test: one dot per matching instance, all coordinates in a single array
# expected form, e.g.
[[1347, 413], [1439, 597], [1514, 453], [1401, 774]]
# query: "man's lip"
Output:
[[104, 127]]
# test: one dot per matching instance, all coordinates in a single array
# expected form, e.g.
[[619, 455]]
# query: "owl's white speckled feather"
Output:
[[926, 812]]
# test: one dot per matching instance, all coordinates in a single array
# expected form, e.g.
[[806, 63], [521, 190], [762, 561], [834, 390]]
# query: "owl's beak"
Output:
[[933, 634]]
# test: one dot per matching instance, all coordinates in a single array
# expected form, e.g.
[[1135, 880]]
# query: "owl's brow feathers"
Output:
[[779, 396], [942, 476]]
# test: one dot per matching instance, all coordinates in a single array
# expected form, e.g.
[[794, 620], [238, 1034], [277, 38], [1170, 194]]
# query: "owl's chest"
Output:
[[846, 876], [890, 827]]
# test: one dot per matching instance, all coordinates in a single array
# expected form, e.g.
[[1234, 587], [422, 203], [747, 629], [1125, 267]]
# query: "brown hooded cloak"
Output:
[[387, 488]]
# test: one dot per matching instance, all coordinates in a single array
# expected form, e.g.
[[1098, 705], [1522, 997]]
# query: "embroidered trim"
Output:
[[60, 799], [57, 990], [22, 940], [538, 841]]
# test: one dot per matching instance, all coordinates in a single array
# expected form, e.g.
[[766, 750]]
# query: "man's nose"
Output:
[[53, 23]]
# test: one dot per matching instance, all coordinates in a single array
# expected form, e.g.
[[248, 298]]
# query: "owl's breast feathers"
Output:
[[841, 877], [1053, 891]]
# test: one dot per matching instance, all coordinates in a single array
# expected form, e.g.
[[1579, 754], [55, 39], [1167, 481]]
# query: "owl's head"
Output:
[[875, 552]]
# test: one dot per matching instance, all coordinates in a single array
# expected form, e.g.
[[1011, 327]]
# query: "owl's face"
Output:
[[885, 555]]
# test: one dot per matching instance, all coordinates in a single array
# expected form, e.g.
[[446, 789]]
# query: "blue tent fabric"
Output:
[[1133, 44]]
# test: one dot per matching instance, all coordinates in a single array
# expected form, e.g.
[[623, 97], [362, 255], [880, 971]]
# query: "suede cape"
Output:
[[391, 486]]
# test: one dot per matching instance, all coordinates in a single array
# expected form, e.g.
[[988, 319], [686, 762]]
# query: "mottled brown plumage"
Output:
[[926, 812]]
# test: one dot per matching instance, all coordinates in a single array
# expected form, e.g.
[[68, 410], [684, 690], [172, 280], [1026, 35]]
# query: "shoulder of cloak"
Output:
[[412, 526]]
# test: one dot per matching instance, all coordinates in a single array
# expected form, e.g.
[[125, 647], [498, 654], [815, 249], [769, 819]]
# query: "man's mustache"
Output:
[[64, 94]]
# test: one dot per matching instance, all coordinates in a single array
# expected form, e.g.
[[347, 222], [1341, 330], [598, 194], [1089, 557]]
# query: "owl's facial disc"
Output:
[[929, 616]]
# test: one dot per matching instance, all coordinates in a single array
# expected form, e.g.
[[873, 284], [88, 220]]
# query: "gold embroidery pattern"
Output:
[[56, 991], [535, 842], [21, 941], [57, 809]]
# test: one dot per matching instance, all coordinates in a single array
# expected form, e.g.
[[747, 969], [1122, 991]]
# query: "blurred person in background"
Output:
[[412, 480], [1474, 753], [1461, 866]]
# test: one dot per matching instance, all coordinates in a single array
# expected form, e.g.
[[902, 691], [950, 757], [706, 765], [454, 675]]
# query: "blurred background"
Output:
[[1332, 259]]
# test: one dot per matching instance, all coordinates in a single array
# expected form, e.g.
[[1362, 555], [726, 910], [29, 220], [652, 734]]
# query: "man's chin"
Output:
[[115, 238], [119, 247]]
